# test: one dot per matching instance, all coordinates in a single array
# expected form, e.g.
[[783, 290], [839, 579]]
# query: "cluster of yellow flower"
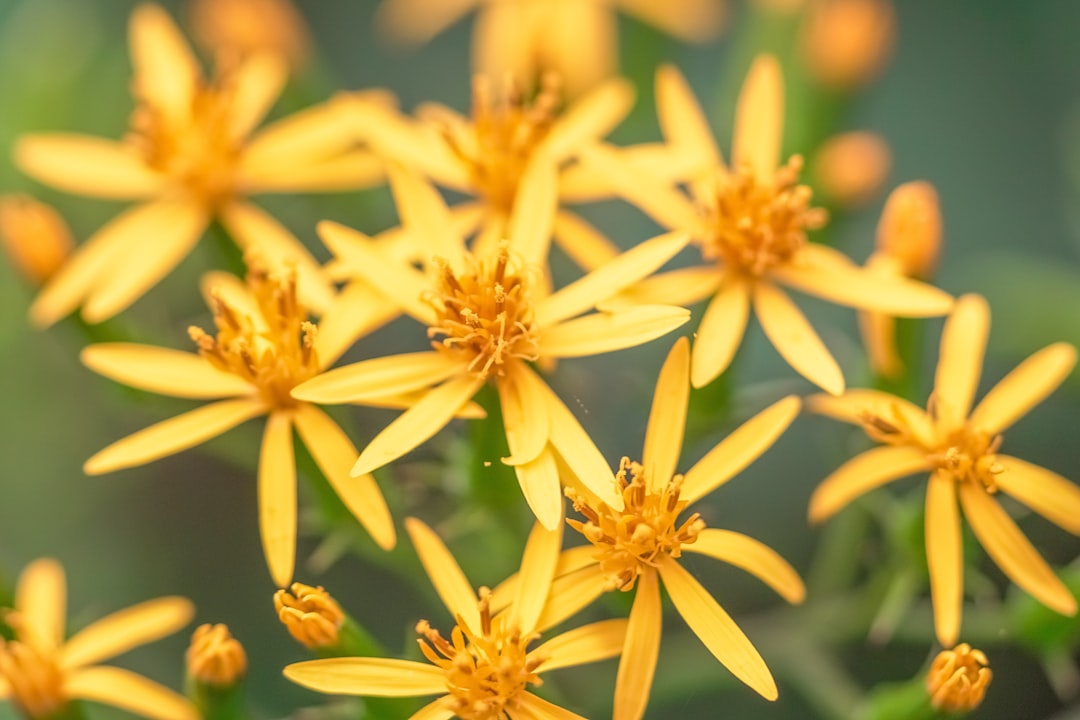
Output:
[[476, 275]]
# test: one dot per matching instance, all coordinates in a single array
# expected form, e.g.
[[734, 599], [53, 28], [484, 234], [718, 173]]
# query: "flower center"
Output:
[[311, 615], [35, 682], [644, 530], [971, 456], [274, 352], [484, 672], [755, 225], [958, 679], [484, 314]]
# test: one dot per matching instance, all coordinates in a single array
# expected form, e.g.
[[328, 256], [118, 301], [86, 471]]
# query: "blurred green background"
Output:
[[981, 97]]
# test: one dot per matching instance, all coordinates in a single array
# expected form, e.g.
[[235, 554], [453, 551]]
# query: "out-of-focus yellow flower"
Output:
[[959, 446], [234, 29], [191, 157], [40, 672], [310, 614], [750, 222], [851, 167], [524, 39], [845, 43], [35, 236], [215, 657], [483, 669], [488, 317], [958, 679], [264, 347]]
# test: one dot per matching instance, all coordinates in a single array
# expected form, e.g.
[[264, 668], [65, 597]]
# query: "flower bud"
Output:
[[958, 679], [215, 657], [35, 237], [851, 167], [910, 228], [234, 29], [310, 614], [846, 42]]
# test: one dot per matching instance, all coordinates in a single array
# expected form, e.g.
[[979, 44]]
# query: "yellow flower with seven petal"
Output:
[[488, 317], [190, 157], [750, 223], [642, 542], [40, 671], [484, 669], [959, 446], [264, 347]]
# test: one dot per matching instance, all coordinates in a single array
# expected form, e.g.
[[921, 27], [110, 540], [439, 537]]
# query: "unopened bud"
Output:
[[910, 228], [232, 29], [310, 614], [846, 42], [35, 237], [851, 167], [958, 679], [215, 657]]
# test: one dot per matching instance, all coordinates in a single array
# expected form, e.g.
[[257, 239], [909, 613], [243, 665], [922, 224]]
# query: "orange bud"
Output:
[[310, 614], [910, 228], [215, 657], [35, 237], [237, 28], [958, 679], [846, 42], [850, 168]]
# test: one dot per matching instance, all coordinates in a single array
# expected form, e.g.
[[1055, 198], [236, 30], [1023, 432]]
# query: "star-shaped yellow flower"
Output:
[[750, 221], [264, 347], [191, 157], [484, 669], [488, 317], [40, 672], [958, 446]]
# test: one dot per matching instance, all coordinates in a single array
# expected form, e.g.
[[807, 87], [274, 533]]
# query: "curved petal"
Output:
[[795, 339], [85, 165], [604, 332], [963, 344], [640, 651], [739, 449], [538, 564], [535, 204], [590, 118], [855, 406], [1045, 492], [1006, 544], [684, 286], [163, 371], [585, 644], [41, 601], [129, 691], [334, 453], [318, 133], [524, 414], [569, 561], [944, 557], [667, 417], [579, 41], [378, 377], [173, 435], [450, 583], [531, 707], [351, 170], [721, 331], [1024, 388], [752, 556], [368, 676], [277, 498], [572, 592], [504, 39], [424, 214], [681, 119], [166, 73], [121, 631], [716, 630], [422, 145], [417, 21], [358, 310], [863, 473], [586, 246], [436, 710], [759, 119], [257, 83]]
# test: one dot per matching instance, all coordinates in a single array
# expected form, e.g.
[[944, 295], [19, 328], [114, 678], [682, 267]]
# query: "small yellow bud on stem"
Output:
[[958, 679], [310, 614]]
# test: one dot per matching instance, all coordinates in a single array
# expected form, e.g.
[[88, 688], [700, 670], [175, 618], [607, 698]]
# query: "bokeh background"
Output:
[[981, 98]]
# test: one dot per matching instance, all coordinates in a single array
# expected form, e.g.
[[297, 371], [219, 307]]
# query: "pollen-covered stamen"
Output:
[[274, 352], [971, 456], [35, 682], [646, 529], [485, 314], [958, 679], [755, 224], [485, 672]]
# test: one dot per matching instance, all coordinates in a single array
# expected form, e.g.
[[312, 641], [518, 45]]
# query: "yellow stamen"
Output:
[[34, 679], [958, 679], [215, 657], [310, 614]]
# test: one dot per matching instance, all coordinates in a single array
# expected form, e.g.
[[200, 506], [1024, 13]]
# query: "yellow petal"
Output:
[[378, 377], [524, 415], [318, 133], [498, 51], [691, 20], [427, 417], [348, 171], [944, 557], [640, 651], [277, 498], [257, 83], [586, 246], [739, 449], [855, 405], [685, 286], [357, 310], [585, 644], [579, 41], [233, 291], [1012, 552], [166, 73], [608, 331], [419, 145], [571, 593], [128, 691], [607, 281], [86, 165], [417, 21], [569, 561], [450, 582], [681, 118], [173, 435], [963, 344], [533, 217], [863, 473], [162, 371], [121, 631], [667, 417], [794, 338], [538, 564], [41, 601], [1024, 388], [590, 118], [716, 629], [436, 710], [878, 333], [752, 556], [368, 676], [5, 689], [721, 331], [759, 119], [1045, 492], [335, 454], [531, 707], [424, 214]]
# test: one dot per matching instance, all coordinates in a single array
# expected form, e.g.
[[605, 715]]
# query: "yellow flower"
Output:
[[40, 672], [264, 347], [524, 39], [958, 679], [641, 543], [959, 447], [485, 669], [35, 236], [233, 29], [190, 157], [488, 317], [750, 222], [215, 657]]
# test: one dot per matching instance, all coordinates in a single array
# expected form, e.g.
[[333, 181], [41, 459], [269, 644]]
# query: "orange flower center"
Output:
[[35, 682], [274, 352], [642, 532], [958, 679], [484, 314], [754, 225], [484, 672], [970, 456]]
